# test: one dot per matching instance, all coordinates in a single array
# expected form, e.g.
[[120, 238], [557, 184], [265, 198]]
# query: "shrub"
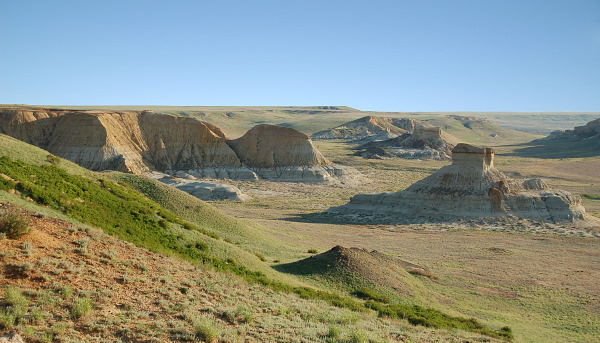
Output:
[[81, 307], [313, 251], [15, 298], [260, 256], [206, 330], [358, 336], [371, 294], [334, 332], [12, 224]]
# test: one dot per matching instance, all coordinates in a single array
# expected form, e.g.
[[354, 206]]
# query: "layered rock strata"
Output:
[[285, 154], [370, 128], [141, 142], [469, 187], [424, 142]]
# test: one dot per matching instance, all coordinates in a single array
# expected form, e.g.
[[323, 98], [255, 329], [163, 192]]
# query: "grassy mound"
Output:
[[352, 269]]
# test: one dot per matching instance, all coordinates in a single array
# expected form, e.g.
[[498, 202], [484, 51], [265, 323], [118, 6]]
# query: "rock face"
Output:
[[589, 131], [424, 142], [11, 337], [369, 129], [140, 142], [470, 187], [124, 141], [285, 154]]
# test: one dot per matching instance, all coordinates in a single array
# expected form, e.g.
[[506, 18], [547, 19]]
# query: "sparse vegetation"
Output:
[[12, 224], [206, 330], [81, 306]]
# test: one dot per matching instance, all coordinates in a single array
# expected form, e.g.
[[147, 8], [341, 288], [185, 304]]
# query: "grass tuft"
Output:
[[12, 223]]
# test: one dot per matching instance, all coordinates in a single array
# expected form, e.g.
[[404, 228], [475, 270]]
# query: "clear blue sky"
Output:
[[447, 55]]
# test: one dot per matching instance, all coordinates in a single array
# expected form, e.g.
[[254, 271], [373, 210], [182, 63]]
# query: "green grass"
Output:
[[125, 213], [81, 307]]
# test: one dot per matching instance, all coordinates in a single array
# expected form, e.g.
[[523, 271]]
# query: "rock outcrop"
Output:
[[285, 154], [11, 337], [589, 131], [469, 187], [141, 142], [424, 142], [370, 128], [206, 190]]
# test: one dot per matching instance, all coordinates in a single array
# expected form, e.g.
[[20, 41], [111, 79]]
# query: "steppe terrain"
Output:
[[539, 279]]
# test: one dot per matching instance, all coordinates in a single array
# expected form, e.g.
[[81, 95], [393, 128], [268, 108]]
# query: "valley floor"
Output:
[[540, 279]]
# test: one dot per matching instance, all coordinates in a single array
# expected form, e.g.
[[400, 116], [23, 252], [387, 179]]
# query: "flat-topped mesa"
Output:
[[467, 156], [469, 187]]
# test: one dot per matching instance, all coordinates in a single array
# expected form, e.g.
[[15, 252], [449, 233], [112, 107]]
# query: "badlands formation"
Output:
[[370, 128], [143, 142], [392, 137], [174, 150], [285, 154], [423, 142], [469, 187], [589, 131]]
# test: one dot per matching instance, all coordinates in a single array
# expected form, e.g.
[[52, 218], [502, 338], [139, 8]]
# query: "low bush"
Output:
[[206, 330], [13, 224], [80, 307], [371, 294]]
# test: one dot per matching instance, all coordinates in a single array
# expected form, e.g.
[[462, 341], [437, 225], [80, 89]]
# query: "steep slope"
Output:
[[105, 200], [124, 141], [271, 146], [69, 283], [470, 187], [285, 154], [124, 213], [140, 142]]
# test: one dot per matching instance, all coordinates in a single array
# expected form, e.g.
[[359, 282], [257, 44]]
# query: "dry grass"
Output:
[[114, 291]]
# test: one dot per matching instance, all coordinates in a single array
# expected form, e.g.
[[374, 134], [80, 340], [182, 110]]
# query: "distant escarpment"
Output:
[[582, 141], [140, 142], [469, 187], [588, 132]]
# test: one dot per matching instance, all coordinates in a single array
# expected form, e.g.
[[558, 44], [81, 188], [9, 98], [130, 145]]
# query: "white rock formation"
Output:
[[469, 187]]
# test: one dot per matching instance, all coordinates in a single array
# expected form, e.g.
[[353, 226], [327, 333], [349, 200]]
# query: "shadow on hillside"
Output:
[[558, 148], [366, 218]]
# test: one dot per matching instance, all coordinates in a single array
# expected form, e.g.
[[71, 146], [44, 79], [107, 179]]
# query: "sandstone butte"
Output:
[[141, 142], [469, 187]]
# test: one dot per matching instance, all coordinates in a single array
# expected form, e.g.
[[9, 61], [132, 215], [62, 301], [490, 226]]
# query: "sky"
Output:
[[447, 55]]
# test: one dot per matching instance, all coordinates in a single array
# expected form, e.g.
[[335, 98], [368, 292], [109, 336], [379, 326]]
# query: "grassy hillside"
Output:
[[69, 283], [123, 212]]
